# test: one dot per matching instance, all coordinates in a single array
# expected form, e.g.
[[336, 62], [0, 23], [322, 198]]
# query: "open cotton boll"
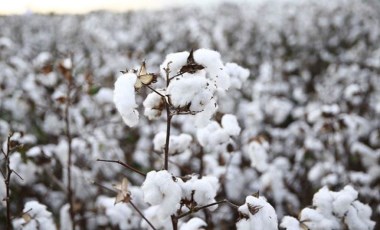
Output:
[[120, 215], [258, 155], [230, 124], [205, 190], [152, 214], [40, 218], [290, 223], [314, 220], [194, 90], [194, 223], [154, 105], [257, 214], [343, 200], [159, 188], [212, 135], [358, 216], [176, 60], [124, 98], [204, 117], [215, 69], [323, 200], [237, 74], [177, 144]]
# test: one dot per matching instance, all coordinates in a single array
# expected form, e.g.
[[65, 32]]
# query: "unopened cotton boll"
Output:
[[124, 98]]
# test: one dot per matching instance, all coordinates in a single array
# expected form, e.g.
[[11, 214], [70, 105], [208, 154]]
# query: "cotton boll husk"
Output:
[[230, 124], [194, 223], [264, 218], [124, 98], [160, 189], [290, 223]]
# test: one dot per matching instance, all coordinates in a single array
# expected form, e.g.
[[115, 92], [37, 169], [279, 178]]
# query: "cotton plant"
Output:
[[193, 82], [332, 210]]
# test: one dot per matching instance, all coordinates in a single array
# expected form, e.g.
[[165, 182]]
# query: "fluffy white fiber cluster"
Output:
[[36, 217], [333, 210], [177, 144], [257, 214], [161, 190], [164, 192], [124, 98]]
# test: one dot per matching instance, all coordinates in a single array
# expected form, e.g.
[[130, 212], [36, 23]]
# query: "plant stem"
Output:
[[8, 172], [174, 222], [168, 121], [196, 209], [70, 195], [142, 215], [123, 164]]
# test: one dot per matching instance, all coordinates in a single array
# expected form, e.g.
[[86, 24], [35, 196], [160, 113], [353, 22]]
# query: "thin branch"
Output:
[[163, 96], [142, 215], [196, 209], [17, 174], [123, 164]]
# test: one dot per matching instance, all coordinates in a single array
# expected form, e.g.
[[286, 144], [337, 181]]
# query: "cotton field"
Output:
[[248, 116]]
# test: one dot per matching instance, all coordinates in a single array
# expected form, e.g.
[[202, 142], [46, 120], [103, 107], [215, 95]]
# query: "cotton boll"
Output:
[[159, 188], [120, 215], [176, 60], [3, 193], [177, 144], [203, 118], [124, 98], [214, 67], [104, 96], [291, 223], [205, 190], [230, 124], [153, 215], [343, 199], [64, 218], [154, 105], [28, 171], [195, 91], [260, 215], [40, 218], [258, 155], [194, 223], [359, 216], [314, 220], [323, 200], [237, 74]]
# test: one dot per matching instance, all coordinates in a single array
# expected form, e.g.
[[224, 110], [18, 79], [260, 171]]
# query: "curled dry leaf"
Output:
[[123, 194]]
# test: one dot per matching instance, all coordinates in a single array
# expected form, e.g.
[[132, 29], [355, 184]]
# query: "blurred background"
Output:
[[85, 6], [311, 103]]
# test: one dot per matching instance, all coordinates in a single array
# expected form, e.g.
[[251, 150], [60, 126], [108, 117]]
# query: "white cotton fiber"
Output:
[[124, 98]]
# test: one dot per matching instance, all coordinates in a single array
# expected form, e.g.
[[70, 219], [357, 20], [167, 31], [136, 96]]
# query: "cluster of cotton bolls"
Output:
[[302, 116]]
